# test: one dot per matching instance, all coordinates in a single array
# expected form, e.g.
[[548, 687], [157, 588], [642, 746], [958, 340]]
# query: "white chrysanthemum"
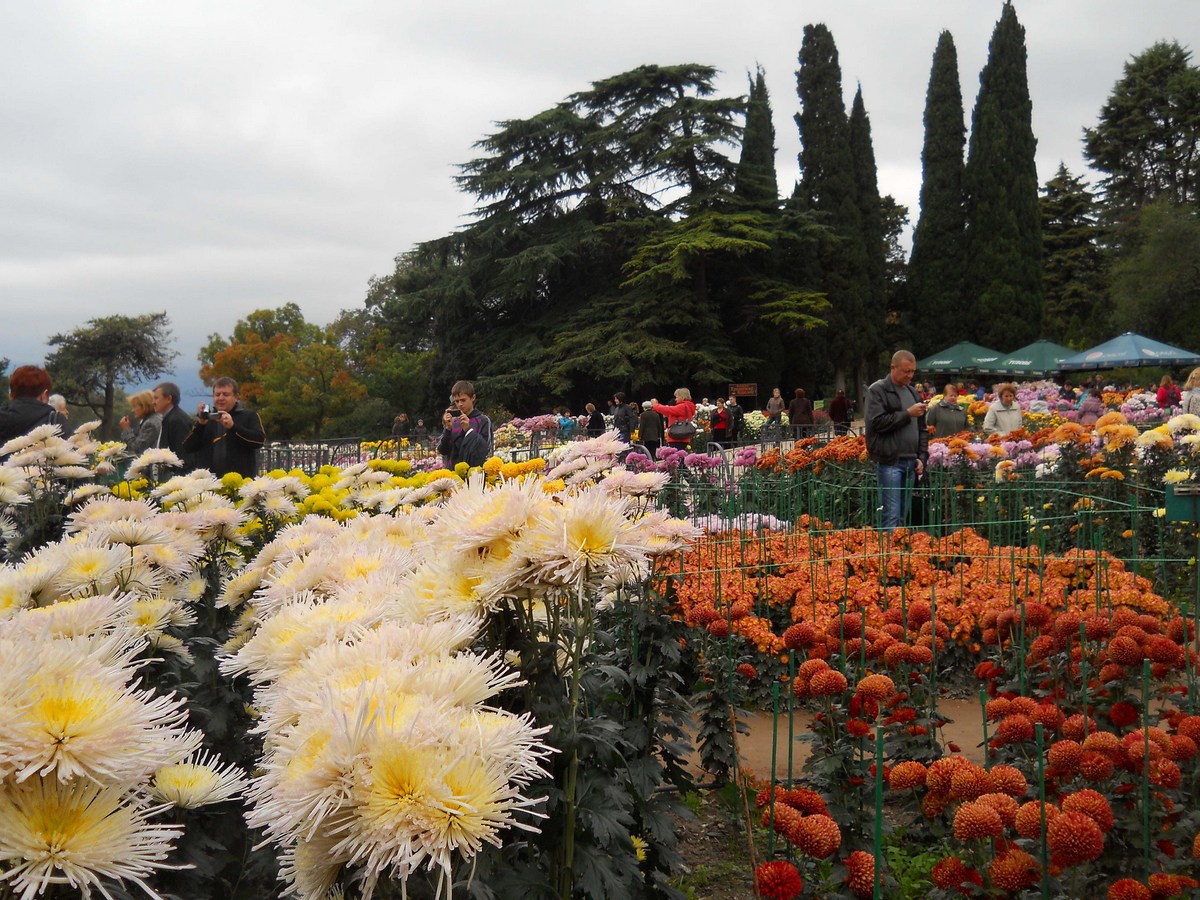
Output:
[[73, 473], [1176, 424], [79, 617], [662, 533], [85, 492], [111, 451], [108, 509], [130, 532], [93, 568], [14, 591], [154, 456], [200, 781], [85, 429], [154, 614], [72, 716], [585, 539], [14, 486], [239, 588], [485, 519], [1177, 476], [30, 438], [80, 834], [58, 452], [295, 629]]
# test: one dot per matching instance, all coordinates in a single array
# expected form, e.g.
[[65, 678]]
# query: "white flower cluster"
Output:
[[382, 756]]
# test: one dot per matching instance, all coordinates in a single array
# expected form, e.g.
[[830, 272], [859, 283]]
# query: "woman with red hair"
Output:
[[28, 390]]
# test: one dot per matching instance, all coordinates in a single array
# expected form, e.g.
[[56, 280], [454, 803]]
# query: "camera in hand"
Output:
[[204, 413]]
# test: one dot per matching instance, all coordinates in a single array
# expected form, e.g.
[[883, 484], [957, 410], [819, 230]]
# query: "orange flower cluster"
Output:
[[810, 453], [749, 582], [800, 815]]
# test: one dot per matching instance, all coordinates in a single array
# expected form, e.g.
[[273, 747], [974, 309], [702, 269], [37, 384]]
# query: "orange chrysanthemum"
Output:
[[1028, 821], [860, 866], [827, 683], [1163, 885], [1009, 780], [1014, 728], [1096, 766], [1073, 839], [942, 770], [968, 782], [806, 801], [1014, 870], [880, 687], [817, 836], [1065, 756], [785, 822], [1128, 889], [907, 775], [1092, 804], [778, 880], [1005, 805], [975, 821]]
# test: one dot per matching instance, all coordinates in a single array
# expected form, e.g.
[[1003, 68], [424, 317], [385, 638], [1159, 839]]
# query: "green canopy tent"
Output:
[[962, 357], [1126, 351], [1036, 360]]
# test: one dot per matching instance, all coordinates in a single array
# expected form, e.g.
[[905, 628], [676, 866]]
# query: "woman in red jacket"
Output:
[[683, 410]]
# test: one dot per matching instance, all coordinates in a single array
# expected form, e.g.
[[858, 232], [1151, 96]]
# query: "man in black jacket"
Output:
[[625, 417], [175, 422], [226, 437], [896, 438]]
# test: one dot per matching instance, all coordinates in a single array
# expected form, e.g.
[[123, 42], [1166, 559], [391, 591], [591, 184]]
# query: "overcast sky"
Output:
[[212, 158]]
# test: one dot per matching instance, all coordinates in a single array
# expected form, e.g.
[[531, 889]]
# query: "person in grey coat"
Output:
[[946, 417]]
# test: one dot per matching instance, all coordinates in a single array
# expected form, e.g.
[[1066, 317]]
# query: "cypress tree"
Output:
[[827, 189], [1003, 273], [870, 213], [755, 182], [936, 265], [1073, 263]]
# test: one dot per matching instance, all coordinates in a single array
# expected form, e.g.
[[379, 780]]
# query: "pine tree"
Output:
[[827, 188], [1073, 263], [870, 213], [755, 181], [934, 287], [1003, 273]]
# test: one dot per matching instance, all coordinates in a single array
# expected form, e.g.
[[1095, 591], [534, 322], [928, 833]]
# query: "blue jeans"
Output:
[[895, 492]]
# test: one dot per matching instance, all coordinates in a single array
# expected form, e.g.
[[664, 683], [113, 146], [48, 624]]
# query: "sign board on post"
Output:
[[743, 390]]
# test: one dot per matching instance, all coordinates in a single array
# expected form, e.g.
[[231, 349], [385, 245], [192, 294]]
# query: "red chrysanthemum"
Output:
[[1123, 714], [1103, 742], [827, 683], [878, 686], [1092, 804], [907, 775], [806, 801], [1196, 846], [778, 880], [1189, 726], [860, 866], [1014, 870], [857, 728], [1128, 889], [1097, 628], [920, 655], [1009, 780], [934, 804], [1073, 839], [1165, 774], [952, 872], [1028, 821], [763, 797], [975, 821], [1065, 756], [1182, 748], [718, 628], [747, 671], [817, 836]]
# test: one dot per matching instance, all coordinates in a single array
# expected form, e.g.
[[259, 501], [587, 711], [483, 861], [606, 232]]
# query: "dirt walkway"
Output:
[[965, 729]]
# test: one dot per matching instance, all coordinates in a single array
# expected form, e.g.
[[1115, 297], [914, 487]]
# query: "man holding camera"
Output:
[[897, 441], [466, 432], [225, 437]]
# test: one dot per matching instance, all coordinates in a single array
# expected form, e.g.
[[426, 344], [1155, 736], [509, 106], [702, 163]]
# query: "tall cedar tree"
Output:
[[935, 269], [1147, 142], [870, 212], [827, 189], [1073, 275], [1004, 223]]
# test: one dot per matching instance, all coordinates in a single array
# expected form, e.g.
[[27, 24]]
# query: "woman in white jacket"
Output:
[[1004, 415]]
